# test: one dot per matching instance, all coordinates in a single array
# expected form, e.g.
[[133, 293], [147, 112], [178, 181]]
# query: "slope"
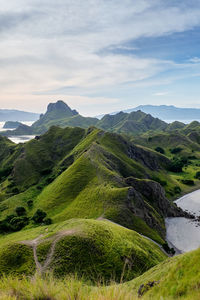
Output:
[[76, 173], [97, 250]]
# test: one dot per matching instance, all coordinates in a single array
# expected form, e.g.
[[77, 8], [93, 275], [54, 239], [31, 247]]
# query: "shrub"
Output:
[[177, 189], [197, 175], [20, 211], [47, 221], [168, 249], [176, 150], [39, 216], [5, 172], [13, 223], [15, 190], [176, 165], [160, 150], [17, 223], [187, 181], [30, 203]]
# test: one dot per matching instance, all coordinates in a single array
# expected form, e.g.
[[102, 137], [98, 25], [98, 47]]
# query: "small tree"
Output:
[[160, 150], [39, 216], [197, 176], [20, 211], [47, 221], [30, 203]]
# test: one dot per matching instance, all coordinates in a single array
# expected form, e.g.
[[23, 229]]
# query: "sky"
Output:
[[99, 56]]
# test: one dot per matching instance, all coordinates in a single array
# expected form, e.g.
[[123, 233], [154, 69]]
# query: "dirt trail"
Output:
[[34, 243]]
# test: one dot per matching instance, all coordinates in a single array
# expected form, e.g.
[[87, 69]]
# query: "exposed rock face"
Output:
[[146, 199], [61, 106], [147, 158]]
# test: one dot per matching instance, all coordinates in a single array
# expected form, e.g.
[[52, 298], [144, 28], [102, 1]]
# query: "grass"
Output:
[[93, 249], [177, 279], [77, 173]]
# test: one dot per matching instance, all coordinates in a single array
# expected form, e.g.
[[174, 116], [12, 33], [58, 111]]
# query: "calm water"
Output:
[[18, 138], [183, 233]]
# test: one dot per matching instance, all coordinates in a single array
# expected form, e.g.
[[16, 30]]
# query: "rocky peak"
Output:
[[60, 106]]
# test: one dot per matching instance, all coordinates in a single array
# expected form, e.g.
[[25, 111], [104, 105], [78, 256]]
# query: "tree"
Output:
[[20, 211], [39, 216], [160, 150]]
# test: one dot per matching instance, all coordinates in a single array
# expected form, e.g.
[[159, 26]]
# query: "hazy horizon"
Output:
[[99, 56]]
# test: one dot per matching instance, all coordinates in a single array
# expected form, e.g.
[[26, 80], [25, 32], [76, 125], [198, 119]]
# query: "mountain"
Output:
[[92, 204], [165, 112], [11, 124], [133, 123], [17, 115], [61, 114], [100, 191]]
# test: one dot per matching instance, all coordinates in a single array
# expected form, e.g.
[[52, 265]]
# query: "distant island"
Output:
[[11, 124], [17, 115]]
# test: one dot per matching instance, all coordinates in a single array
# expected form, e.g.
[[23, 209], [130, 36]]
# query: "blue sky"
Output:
[[99, 55]]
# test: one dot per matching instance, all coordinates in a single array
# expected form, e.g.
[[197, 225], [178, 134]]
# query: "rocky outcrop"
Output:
[[146, 200], [61, 106]]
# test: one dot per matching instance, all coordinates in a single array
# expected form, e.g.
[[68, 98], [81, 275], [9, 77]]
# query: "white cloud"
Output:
[[54, 44], [160, 94], [195, 60]]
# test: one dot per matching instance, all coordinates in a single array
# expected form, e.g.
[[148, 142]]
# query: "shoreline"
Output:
[[181, 234]]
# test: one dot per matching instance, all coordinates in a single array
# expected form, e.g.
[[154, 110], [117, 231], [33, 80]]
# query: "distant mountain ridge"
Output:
[[165, 112], [17, 115], [62, 115], [131, 124]]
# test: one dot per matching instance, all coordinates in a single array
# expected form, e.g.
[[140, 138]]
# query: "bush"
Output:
[[13, 223], [20, 211], [176, 165], [176, 150], [168, 249], [17, 223], [5, 172], [39, 216], [187, 181], [47, 221], [160, 150], [177, 189], [30, 203], [197, 176], [15, 190]]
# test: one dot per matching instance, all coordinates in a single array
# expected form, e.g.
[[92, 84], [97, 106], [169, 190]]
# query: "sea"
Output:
[[18, 138]]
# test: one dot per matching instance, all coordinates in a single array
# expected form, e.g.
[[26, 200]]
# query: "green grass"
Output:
[[93, 249], [177, 279]]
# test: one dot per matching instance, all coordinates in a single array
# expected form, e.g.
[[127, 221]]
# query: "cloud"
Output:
[[50, 48], [195, 60], [160, 94]]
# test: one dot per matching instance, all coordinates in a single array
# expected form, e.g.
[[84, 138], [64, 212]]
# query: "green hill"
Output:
[[174, 278], [94, 249], [77, 173], [84, 202], [131, 124]]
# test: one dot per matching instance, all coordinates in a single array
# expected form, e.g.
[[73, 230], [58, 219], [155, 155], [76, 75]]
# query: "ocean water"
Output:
[[184, 233], [18, 138]]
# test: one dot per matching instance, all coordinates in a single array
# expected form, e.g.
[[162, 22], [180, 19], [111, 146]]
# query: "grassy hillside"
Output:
[[175, 278], [77, 173], [93, 249]]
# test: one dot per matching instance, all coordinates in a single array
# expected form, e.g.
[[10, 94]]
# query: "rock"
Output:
[[146, 287]]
